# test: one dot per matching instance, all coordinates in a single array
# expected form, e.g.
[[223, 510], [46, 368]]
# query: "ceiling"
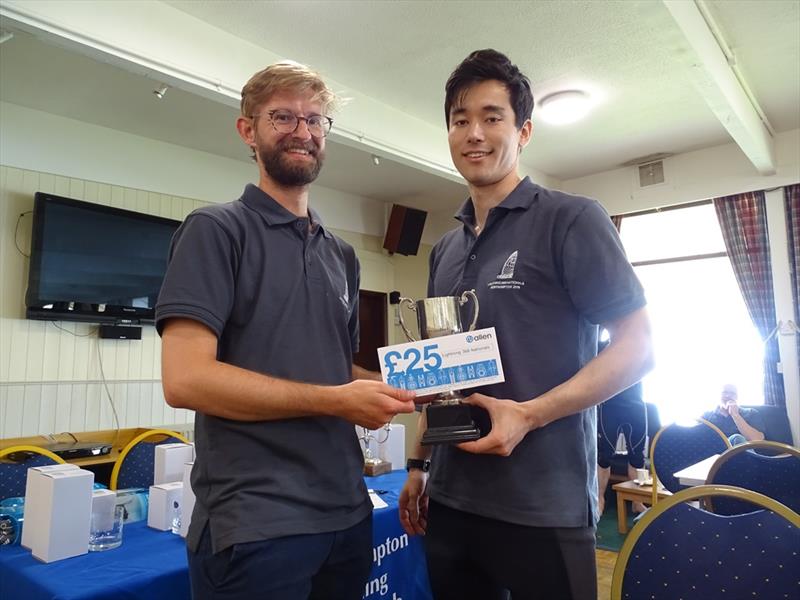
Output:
[[627, 53], [118, 99], [630, 55]]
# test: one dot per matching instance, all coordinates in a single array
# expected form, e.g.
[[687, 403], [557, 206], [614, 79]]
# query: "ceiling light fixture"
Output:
[[561, 108], [376, 160], [161, 91]]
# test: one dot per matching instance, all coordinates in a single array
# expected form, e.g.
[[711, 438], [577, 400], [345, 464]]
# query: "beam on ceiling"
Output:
[[721, 89]]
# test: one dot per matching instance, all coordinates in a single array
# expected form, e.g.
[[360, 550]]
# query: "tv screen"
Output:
[[95, 263]]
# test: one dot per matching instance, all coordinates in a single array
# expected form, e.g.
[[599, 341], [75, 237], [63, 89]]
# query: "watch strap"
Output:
[[418, 463]]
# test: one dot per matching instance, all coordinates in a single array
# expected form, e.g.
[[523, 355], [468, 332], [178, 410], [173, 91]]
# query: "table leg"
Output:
[[622, 515]]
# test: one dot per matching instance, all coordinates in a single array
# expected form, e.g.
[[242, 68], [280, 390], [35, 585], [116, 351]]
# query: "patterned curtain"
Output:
[[743, 220], [617, 220], [792, 195]]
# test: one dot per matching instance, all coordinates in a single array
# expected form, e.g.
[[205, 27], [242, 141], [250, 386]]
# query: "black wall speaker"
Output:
[[120, 332], [405, 230]]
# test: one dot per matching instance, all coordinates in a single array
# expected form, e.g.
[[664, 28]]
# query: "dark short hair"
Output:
[[484, 65]]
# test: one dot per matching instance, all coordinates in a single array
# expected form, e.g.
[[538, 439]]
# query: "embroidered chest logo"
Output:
[[505, 279], [508, 268]]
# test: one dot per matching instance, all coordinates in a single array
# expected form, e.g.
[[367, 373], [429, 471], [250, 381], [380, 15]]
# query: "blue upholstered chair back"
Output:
[[679, 551], [677, 447], [775, 476], [136, 462], [14, 473]]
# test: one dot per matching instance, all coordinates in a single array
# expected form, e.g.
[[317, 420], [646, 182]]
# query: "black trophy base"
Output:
[[449, 424]]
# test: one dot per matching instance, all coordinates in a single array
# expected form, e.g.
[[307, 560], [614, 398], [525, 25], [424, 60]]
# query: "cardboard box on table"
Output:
[[64, 512], [169, 462], [34, 504], [162, 507]]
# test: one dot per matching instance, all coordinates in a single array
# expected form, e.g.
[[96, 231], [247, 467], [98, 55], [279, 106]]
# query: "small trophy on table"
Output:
[[373, 465]]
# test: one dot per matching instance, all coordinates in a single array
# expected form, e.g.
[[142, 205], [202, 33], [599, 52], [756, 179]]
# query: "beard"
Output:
[[278, 165]]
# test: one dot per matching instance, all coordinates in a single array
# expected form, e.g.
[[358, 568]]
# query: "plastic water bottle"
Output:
[[176, 518]]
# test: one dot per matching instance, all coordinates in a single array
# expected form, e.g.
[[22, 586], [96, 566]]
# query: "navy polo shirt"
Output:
[[281, 294], [547, 269]]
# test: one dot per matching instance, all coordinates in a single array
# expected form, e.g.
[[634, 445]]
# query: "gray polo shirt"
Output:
[[282, 298], [547, 269]]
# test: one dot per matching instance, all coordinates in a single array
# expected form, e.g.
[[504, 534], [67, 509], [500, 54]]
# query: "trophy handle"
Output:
[[463, 300], [413, 307]]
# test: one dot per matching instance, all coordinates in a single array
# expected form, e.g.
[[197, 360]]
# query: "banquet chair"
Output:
[[676, 447], [769, 468], [134, 468], [680, 551], [14, 464]]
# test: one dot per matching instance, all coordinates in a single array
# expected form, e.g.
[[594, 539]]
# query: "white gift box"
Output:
[[61, 529], [187, 504], [162, 508], [34, 505], [169, 462], [103, 504]]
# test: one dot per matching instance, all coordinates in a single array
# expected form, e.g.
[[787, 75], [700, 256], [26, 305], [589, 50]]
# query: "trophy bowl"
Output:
[[449, 419]]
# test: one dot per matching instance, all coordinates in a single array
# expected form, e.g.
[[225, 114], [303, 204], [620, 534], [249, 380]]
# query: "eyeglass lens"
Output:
[[286, 121]]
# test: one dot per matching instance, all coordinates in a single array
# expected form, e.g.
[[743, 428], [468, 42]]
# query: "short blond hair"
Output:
[[287, 75]]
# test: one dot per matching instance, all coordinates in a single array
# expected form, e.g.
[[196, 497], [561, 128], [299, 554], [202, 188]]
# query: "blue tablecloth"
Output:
[[151, 565]]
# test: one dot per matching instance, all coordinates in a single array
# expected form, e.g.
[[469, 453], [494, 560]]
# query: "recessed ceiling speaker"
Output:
[[404, 232]]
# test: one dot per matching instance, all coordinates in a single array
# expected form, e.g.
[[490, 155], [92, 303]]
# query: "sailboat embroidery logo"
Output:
[[508, 268], [505, 279]]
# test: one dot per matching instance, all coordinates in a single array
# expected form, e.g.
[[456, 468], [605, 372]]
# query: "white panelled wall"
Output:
[[50, 374]]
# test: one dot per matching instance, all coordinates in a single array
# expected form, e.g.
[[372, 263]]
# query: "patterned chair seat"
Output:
[[776, 475], [680, 551], [676, 447], [14, 464], [135, 466]]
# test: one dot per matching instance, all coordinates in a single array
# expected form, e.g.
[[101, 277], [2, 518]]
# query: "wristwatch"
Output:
[[418, 463]]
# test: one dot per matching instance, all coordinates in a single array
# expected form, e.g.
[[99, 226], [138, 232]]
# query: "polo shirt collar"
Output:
[[521, 196], [271, 210]]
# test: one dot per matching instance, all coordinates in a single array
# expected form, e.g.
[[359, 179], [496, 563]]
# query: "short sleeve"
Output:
[[596, 273], [200, 278]]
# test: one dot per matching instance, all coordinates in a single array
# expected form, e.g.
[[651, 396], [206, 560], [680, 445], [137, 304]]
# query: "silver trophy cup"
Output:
[[449, 419]]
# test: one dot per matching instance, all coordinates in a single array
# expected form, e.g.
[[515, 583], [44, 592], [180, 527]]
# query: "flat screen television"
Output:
[[95, 263]]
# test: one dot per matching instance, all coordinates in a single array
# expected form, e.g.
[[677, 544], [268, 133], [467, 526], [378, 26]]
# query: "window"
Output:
[[703, 335]]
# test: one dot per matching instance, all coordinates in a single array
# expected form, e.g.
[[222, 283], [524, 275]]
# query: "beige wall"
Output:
[[50, 379]]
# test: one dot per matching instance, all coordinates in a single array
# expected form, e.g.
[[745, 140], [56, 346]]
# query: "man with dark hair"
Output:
[[516, 510], [259, 322]]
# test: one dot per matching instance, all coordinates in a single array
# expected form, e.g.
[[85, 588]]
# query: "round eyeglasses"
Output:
[[285, 121]]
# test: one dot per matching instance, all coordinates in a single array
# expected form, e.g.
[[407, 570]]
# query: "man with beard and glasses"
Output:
[[258, 315]]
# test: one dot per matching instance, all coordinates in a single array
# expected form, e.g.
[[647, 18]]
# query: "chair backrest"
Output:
[[134, 466], [14, 473], [676, 447], [776, 422], [679, 551], [775, 474]]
